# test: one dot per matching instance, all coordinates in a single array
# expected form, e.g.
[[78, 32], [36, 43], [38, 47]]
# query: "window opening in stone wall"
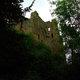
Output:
[[52, 35], [49, 29]]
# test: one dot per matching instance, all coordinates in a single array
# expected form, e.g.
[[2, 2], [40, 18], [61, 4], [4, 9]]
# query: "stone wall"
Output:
[[45, 32]]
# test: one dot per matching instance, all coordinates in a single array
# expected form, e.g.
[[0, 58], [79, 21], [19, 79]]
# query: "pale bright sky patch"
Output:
[[41, 6], [49, 29]]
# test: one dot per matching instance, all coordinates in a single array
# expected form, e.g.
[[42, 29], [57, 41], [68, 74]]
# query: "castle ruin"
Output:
[[45, 32]]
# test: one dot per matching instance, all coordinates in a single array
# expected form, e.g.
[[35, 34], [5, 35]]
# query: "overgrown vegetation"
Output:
[[21, 57], [68, 17]]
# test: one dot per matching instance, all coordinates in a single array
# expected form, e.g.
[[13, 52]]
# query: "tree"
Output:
[[10, 11], [68, 15]]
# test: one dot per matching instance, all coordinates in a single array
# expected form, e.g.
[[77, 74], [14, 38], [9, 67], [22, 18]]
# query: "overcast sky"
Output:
[[41, 6]]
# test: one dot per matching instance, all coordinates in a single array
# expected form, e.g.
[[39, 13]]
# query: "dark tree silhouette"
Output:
[[29, 8], [10, 11]]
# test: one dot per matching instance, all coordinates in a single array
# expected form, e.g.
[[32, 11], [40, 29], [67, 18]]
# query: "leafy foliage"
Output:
[[68, 14], [10, 11], [21, 57]]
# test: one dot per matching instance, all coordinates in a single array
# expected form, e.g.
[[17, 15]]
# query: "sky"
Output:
[[41, 6]]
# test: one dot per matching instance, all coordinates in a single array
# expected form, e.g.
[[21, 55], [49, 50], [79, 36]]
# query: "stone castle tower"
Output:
[[45, 32]]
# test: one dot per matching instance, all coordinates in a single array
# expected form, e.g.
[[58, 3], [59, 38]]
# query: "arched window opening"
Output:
[[52, 35]]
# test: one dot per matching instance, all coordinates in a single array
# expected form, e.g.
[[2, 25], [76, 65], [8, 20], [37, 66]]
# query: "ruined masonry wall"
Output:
[[46, 32]]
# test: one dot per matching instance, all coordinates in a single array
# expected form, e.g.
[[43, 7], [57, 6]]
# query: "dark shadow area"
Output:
[[52, 35], [22, 58]]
